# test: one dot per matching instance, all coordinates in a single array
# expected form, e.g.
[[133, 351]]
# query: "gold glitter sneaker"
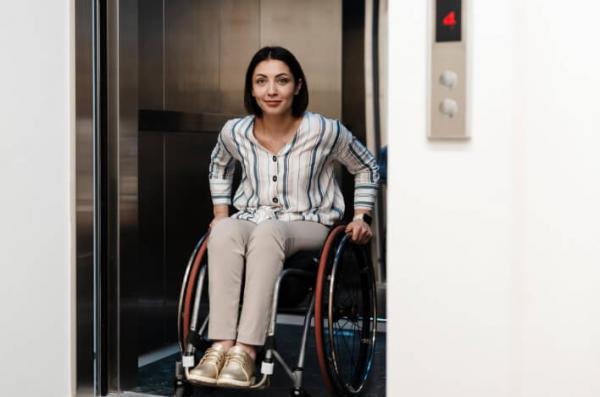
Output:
[[209, 366], [238, 370]]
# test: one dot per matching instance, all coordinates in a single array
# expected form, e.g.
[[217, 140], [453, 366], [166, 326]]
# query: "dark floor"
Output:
[[157, 378]]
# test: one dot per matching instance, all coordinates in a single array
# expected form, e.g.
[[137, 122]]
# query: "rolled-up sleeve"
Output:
[[221, 168], [350, 152]]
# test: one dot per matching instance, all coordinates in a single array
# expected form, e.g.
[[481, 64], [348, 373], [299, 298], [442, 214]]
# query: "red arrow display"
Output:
[[449, 19]]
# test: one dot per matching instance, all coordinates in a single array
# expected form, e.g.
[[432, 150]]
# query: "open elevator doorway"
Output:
[[168, 75]]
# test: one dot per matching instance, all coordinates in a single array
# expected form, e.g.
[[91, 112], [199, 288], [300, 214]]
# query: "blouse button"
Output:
[[274, 178], [275, 200], [274, 158]]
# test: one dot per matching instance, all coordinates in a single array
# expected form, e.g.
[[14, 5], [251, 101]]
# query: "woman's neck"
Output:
[[277, 125]]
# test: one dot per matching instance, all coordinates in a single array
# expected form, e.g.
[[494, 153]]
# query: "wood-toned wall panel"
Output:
[[192, 56], [312, 30], [239, 41]]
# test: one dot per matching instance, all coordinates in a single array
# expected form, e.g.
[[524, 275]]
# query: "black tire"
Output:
[[345, 315]]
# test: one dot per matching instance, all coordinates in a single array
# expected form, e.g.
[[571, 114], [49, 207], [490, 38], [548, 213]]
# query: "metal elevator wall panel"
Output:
[[174, 213], [240, 38], [194, 54], [84, 158], [312, 31], [151, 55], [151, 290], [122, 271]]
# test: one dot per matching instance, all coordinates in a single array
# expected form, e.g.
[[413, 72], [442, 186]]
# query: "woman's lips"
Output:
[[272, 103]]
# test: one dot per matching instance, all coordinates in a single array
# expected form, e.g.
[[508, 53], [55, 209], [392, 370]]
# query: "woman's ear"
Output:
[[298, 86]]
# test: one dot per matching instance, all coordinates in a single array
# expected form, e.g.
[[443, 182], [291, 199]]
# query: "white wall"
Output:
[[494, 266], [36, 270], [559, 190]]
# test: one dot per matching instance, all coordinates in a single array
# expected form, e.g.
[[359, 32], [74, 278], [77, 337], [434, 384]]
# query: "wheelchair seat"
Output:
[[294, 295]]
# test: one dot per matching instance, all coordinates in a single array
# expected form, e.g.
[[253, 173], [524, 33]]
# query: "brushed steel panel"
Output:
[[122, 195], [312, 30], [151, 59], [192, 56], [152, 242], [128, 266], [110, 271], [240, 39], [84, 146]]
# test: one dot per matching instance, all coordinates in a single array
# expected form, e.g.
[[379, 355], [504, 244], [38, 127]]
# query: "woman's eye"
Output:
[[261, 81], [284, 81]]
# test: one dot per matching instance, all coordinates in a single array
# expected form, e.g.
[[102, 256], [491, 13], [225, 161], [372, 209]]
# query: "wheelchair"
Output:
[[337, 287]]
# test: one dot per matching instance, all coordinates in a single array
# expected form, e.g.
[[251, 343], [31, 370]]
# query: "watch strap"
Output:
[[363, 217]]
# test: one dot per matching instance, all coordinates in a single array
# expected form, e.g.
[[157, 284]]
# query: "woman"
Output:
[[287, 200]]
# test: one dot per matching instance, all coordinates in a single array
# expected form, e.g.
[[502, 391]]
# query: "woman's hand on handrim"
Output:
[[359, 231]]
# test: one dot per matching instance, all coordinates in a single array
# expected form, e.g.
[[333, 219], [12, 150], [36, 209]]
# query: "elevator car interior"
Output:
[[155, 82]]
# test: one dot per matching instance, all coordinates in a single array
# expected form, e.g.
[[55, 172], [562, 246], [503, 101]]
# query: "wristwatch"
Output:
[[363, 217]]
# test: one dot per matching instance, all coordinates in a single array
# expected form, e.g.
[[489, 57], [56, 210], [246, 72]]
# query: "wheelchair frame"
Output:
[[325, 319]]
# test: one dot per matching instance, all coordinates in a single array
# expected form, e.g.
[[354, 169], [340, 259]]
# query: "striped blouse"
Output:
[[297, 183]]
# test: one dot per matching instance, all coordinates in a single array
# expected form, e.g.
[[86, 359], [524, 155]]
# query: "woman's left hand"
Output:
[[359, 231]]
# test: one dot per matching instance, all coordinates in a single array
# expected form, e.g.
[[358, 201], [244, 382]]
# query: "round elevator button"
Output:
[[448, 78], [449, 107]]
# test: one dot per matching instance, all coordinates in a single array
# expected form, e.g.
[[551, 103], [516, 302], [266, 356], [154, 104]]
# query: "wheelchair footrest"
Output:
[[258, 385]]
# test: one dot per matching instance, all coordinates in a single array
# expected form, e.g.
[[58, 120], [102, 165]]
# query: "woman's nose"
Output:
[[271, 88]]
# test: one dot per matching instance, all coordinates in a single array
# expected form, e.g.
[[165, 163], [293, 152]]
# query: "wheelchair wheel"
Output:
[[188, 290], [345, 314]]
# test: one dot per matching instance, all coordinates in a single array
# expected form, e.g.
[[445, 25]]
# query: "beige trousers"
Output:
[[262, 248]]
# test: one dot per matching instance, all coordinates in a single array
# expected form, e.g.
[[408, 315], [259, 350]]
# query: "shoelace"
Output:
[[212, 354], [237, 358]]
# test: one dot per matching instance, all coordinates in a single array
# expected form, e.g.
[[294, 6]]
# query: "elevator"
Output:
[[155, 82]]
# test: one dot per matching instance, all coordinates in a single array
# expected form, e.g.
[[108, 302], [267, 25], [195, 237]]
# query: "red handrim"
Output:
[[189, 291], [321, 277]]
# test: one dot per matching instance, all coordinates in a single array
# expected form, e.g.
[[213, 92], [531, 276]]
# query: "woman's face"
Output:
[[273, 87]]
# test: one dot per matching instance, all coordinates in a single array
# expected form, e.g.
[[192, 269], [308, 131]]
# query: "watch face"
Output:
[[367, 218]]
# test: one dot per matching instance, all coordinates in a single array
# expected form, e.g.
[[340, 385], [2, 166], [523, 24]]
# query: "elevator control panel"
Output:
[[447, 97]]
